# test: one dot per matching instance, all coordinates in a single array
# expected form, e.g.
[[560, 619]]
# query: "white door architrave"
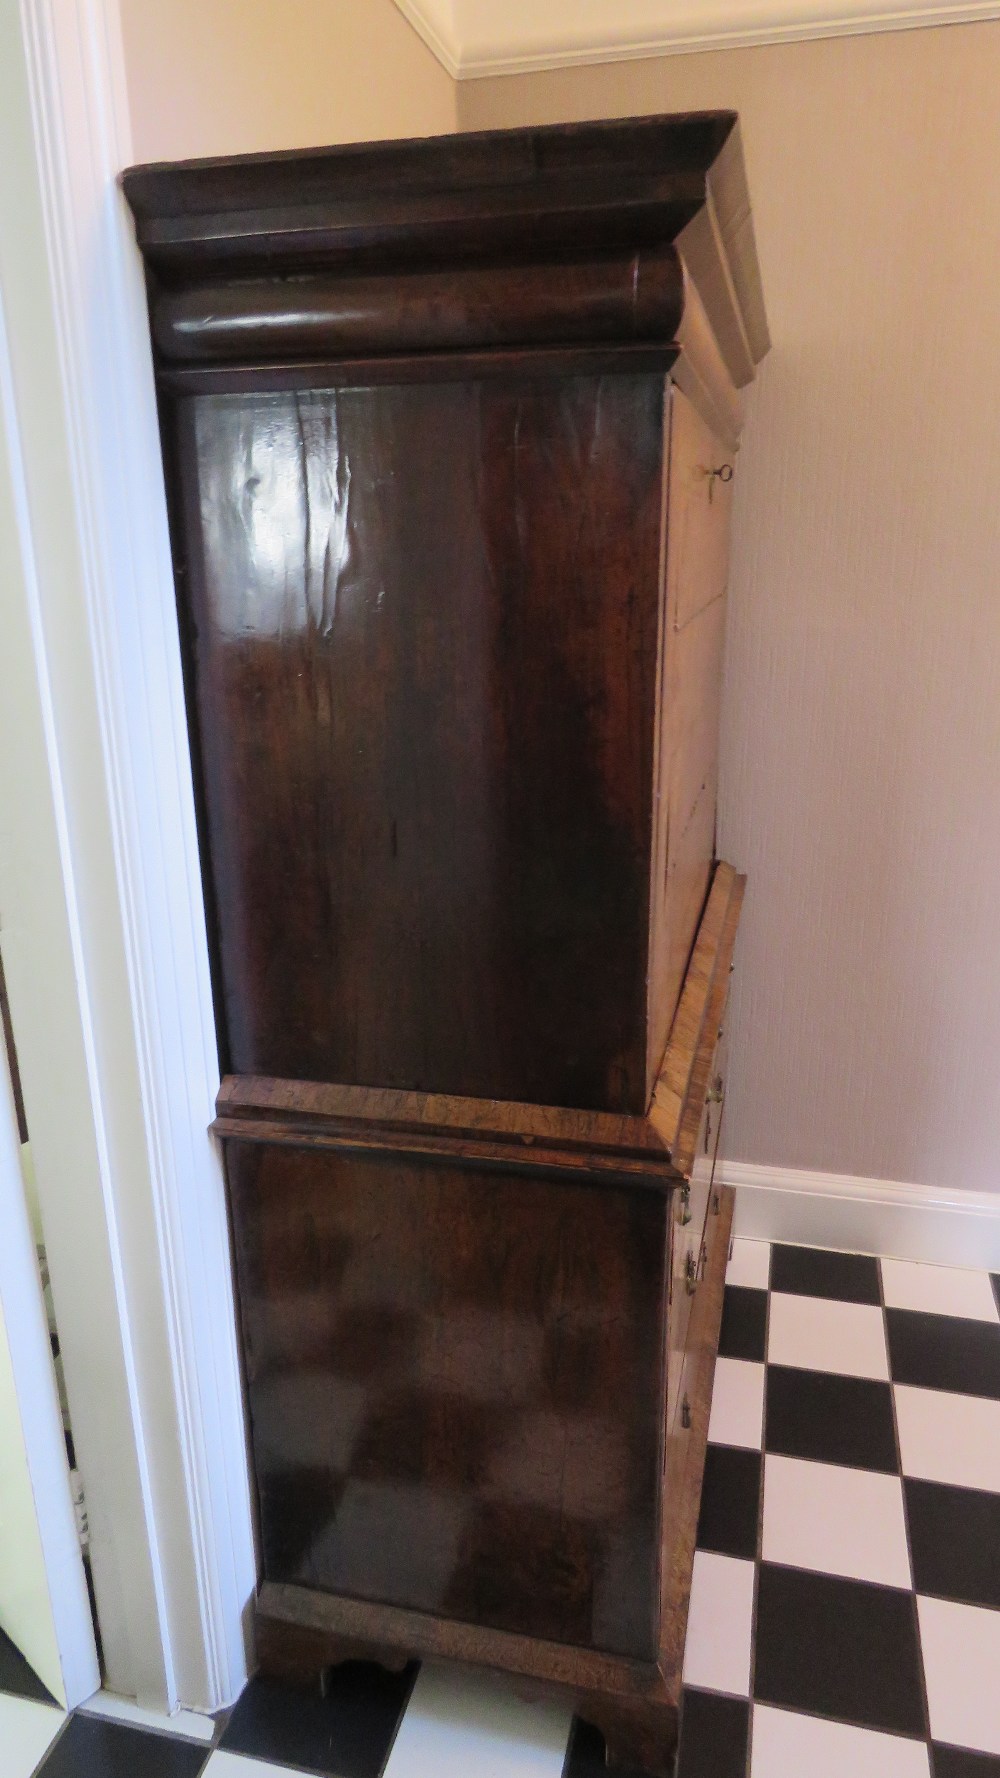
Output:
[[101, 904]]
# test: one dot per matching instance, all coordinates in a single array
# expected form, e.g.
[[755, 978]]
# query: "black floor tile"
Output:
[[744, 1324], [93, 1747], [830, 1419], [838, 1648], [944, 1352], [957, 1762], [810, 1271], [713, 1736], [730, 1502], [585, 1755], [955, 1542], [17, 1678], [348, 1733]]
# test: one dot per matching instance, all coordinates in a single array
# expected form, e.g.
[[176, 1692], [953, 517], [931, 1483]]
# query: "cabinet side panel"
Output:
[[423, 639], [455, 1387], [697, 568]]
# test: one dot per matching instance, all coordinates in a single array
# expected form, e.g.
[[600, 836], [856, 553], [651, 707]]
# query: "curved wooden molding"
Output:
[[624, 298], [472, 38], [645, 225]]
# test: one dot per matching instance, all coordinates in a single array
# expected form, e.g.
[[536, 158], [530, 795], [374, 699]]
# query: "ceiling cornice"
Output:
[[473, 38]]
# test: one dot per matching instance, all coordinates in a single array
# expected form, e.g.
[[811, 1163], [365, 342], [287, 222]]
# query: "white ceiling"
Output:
[[476, 37]]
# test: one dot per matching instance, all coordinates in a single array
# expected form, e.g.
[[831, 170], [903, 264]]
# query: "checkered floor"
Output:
[[845, 1611]]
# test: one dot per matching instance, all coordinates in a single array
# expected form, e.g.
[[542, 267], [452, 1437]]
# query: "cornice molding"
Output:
[[474, 38]]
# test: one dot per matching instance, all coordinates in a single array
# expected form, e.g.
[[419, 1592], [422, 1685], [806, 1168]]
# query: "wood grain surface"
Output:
[[455, 1388], [679, 1096], [527, 1138], [424, 707], [447, 428], [623, 297], [689, 689], [686, 1445]]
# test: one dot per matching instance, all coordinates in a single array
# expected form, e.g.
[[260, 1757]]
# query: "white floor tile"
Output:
[[949, 1438], [961, 1649], [720, 1624], [27, 1730], [223, 1764], [458, 1723], [750, 1264], [187, 1723], [737, 1416], [834, 1520], [789, 1746], [938, 1290], [817, 1334]]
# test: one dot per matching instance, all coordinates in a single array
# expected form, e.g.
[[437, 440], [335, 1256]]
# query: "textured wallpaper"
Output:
[[861, 734]]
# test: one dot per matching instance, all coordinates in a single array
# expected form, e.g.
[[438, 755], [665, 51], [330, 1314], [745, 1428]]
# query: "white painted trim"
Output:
[[491, 37], [67, 1606], [186, 1724], [45, 967], [176, 1262], [921, 1222]]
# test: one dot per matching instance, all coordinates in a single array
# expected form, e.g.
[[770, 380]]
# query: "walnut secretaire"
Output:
[[449, 431]]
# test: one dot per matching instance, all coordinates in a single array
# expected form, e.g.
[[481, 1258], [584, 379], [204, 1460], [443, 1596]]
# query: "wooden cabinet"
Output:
[[449, 434]]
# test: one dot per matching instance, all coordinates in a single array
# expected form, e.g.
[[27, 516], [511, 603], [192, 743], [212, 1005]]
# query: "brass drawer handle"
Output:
[[686, 1414], [685, 1205], [691, 1274]]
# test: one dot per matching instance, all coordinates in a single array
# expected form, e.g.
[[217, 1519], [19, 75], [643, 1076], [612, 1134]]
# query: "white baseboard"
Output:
[[921, 1222]]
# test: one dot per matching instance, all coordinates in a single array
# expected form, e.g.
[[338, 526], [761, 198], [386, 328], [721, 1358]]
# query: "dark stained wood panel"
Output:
[[455, 1387], [450, 199], [453, 629], [623, 298], [422, 637]]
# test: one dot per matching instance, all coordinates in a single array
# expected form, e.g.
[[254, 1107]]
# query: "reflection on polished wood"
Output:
[[425, 713], [449, 432], [454, 1380]]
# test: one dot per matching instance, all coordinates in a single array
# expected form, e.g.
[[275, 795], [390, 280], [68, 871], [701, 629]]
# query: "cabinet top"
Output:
[[558, 191]]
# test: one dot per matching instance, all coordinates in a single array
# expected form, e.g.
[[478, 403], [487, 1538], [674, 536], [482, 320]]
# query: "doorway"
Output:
[[48, 1639]]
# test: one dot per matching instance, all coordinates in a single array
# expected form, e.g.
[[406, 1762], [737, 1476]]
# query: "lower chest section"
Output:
[[456, 1382]]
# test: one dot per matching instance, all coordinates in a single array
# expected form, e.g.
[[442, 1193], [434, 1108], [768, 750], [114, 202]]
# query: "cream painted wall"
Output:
[[237, 76], [861, 747]]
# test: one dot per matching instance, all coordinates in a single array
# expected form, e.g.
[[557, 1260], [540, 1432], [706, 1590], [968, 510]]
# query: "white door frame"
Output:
[[52, 1562], [102, 910]]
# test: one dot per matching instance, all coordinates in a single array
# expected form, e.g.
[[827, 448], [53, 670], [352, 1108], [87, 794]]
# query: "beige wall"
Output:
[[237, 76], [861, 748]]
